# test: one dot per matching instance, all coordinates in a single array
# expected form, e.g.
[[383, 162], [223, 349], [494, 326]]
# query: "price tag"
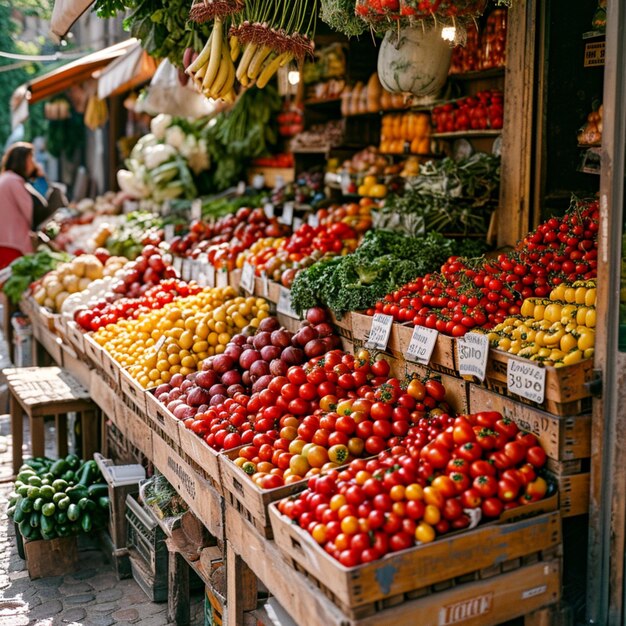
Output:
[[266, 284], [196, 209], [287, 216], [297, 222], [178, 264], [268, 208], [168, 232], [473, 351], [526, 379], [159, 344], [241, 187], [201, 278], [196, 268], [186, 269], [379, 332], [210, 275], [422, 344], [247, 277], [221, 278], [284, 303], [313, 220]]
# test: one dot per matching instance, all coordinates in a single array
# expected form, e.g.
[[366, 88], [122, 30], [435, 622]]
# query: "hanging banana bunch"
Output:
[[260, 37]]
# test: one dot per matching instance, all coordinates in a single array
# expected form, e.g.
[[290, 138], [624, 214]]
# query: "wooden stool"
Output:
[[48, 391]]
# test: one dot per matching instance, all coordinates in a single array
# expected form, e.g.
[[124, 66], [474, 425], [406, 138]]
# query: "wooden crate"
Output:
[[93, 351], [71, 361], [356, 590], [200, 496], [489, 601], [564, 438], [75, 336], [273, 289], [234, 279], [133, 391], [197, 450], [112, 369], [161, 418], [247, 498], [49, 340], [135, 428], [44, 317], [103, 395], [574, 494], [51, 557], [565, 391]]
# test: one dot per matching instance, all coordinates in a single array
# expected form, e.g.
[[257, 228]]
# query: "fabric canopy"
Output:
[[134, 68], [62, 78], [65, 13]]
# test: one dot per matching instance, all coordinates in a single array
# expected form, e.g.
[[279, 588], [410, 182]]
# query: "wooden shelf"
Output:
[[492, 72], [330, 102], [464, 134]]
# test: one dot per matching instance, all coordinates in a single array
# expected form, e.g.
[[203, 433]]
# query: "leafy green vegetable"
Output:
[[384, 261], [29, 268], [127, 238]]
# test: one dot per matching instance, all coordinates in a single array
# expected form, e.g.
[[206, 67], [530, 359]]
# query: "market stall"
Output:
[[372, 412]]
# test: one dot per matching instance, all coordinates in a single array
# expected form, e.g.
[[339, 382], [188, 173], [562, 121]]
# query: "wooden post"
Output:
[[89, 432], [17, 431], [241, 588], [37, 436], [60, 426], [514, 212], [178, 590]]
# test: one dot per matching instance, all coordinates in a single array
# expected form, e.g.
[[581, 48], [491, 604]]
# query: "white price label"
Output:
[[159, 344], [284, 303], [196, 267], [297, 222], [379, 331], [422, 344], [268, 208], [526, 379], [168, 232], [473, 351], [210, 275], [266, 284], [178, 264], [313, 220], [287, 216], [221, 278], [201, 279], [186, 270], [241, 187], [196, 209], [247, 277]]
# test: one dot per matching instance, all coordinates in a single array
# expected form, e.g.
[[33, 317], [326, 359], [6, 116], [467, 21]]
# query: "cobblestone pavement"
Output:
[[91, 596]]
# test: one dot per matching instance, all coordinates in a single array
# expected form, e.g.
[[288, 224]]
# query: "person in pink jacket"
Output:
[[16, 203]]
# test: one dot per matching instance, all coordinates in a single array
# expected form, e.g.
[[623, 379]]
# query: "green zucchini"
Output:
[[97, 490], [48, 509], [38, 503], [85, 522], [73, 512]]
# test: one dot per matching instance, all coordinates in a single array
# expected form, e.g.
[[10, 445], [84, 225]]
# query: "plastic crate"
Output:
[[147, 538]]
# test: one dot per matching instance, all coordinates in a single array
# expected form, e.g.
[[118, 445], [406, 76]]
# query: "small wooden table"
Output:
[[49, 391]]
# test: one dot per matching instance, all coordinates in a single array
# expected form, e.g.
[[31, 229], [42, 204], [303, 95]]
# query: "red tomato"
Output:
[[469, 451], [492, 507], [536, 456], [452, 509], [482, 468], [515, 451], [508, 490], [470, 499], [486, 486]]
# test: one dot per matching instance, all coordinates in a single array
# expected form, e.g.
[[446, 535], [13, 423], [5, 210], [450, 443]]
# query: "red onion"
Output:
[[222, 363], [304, 335], [163, 388], [261, 383], [232, 377], [248, 357], [183, 411], [281, 338], [292, 356], [262, 339], [239, 339], [245, 378], [233, 351], [315, 347], [217, 400], [177, 380], [207, 379], [186, 384], [258, 369], [269, 324], [198, 396], [218, 390], [171, 406], [316, 315], [269, 353], [278, 367], [175, 393], [234, 389], [324, 329]]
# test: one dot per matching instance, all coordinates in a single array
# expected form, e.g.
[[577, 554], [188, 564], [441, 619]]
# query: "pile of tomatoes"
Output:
[[227, 237], [109, 310], [426, 485], [481, 293], [482, 111]]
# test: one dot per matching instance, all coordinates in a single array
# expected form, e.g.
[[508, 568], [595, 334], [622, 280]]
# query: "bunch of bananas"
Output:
[[213, 70], [96, 113], [556, 331], [258, 63]]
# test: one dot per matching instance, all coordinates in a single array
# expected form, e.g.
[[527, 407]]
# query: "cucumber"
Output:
[[63, 503], [57, 497], [85, 522], [97, 490], [26, 529], [18, 514], [88, 473], [73, 461], [38, 503], [48, 509], [103, 502], [77, 493], [59, 467], [32, 493], [63, 530], [85, 504], [34, 481], [61, 517], [69, 476], [25, 475], [60, 484], [26, 505], [48, 536], [73, 512], [34, 519], [47, 492], [11, 511]]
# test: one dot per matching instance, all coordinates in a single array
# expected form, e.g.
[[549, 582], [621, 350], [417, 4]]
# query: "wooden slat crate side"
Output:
[[49, 340], [200, 496], [343, 325], [290, 323], [207, 458], [563, 384], [52, 557], [93, 351], [420, 566], [137, 430], [443, 357], [574, 494], [161, 417], [133, 391], [102, 394], [361, 325], [75, 336], [75, 366], [481, 603], [112, 369], [562, 437]]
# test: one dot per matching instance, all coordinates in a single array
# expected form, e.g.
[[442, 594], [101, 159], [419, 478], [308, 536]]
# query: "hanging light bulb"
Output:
[[448, 33], [293, 77]]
